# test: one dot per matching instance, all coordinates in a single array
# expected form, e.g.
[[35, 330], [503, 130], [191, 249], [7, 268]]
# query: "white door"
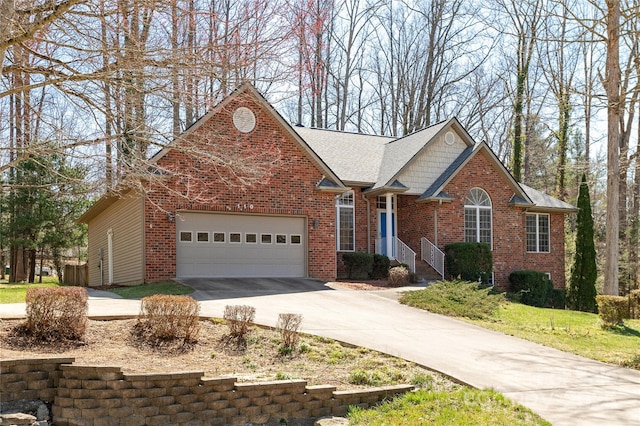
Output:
[[237, 245]]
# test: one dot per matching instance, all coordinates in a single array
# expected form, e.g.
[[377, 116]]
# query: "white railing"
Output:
[[432, 255], [401, 252], [404, 254]]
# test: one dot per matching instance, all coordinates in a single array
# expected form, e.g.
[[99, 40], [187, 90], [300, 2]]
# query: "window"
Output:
[[477, 217], [345, 221], [218, 237], [537, 229], [265, 238], [295, 239], [186, 237], [250, 238], [281, 239], [234, 237], [381, 202], [202, 237]]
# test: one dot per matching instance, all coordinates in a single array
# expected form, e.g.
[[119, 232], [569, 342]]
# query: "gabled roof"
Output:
[[436, 191], [330, 182]]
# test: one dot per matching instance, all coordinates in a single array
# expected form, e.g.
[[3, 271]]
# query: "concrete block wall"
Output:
[[30, 379], [93, 396]]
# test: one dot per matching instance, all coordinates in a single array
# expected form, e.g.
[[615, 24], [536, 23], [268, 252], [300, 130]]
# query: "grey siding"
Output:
[[125, 219]]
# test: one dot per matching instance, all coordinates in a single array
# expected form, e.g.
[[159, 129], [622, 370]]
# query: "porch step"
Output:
[[424, 272]]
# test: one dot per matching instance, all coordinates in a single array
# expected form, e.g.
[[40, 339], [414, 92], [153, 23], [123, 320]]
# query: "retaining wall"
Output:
[[95, 396]]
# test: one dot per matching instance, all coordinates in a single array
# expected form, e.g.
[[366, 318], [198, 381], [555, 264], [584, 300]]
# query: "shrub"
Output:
[[56, 313], [612, 310], [239, 318], [558, 298], [166, 318], [534, 288], [288, 325], [469, 261], [381, 264], [398, 276], [358, 265]]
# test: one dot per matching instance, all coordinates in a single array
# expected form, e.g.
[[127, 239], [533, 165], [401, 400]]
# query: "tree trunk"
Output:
[[612, 88]]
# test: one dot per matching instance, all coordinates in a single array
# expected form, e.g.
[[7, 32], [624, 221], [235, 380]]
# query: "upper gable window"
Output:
[[477, 217], [381, 202], [537, 230], [345, 220]]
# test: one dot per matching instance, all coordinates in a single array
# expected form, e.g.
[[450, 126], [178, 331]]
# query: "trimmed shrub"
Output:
[[469, 261], [239, 318], [558, 298], [398, 276], [532, 287], [167, 318], [381, 264], [359, 265], [288, 326], [56, 313], [612, 310]]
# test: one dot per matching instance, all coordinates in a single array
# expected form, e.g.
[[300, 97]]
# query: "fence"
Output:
[[76, 275]]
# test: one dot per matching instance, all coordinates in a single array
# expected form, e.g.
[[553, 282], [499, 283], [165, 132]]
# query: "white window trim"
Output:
[[537, 216], [353, 220], [202, 242], [270, 238], [250, 233], [235, 242], [299, 239], [286, 239], [213, 237], [477, 214]]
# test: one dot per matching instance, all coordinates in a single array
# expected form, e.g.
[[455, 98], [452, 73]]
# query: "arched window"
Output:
[[477, 217]]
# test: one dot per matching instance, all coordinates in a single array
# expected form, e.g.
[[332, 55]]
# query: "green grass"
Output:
[[464, 406], [455, 298], [144, 290], [17, 292], [570, 331]]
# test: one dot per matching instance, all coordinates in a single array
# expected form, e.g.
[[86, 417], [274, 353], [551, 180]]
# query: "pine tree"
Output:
[[582, 285]]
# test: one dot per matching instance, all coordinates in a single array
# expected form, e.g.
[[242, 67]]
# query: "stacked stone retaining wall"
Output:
[[95, 396]]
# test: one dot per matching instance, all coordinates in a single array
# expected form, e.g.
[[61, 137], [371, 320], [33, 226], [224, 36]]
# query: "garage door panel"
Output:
[[244, 259]]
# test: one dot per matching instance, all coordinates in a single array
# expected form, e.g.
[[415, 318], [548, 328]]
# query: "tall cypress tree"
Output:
[[582, 285]]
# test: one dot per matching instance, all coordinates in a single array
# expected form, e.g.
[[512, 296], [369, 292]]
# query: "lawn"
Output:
[[463, 406], [16, 292], [143, 290], [570, 331]]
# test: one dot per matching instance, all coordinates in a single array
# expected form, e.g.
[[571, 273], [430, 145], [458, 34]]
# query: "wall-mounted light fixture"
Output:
[[315, 223], [169, 217]]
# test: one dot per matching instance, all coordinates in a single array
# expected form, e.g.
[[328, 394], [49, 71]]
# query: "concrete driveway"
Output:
[[563, 388]]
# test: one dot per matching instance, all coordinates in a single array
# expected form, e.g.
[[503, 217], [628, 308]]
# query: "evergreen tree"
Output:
[[582, 285]]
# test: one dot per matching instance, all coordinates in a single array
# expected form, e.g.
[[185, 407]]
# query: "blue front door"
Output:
[[383, 230]]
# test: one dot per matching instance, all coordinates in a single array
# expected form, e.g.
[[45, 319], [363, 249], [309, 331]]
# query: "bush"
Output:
[[358, 265], [398, 276], [469, 261], [239, 318], [381, 264], [558, 298], [288, 325], [56, 313], [166, 318], [533, 287], [612, 310]]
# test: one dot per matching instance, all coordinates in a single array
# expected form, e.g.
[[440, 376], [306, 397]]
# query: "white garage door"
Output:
[[235, 245]]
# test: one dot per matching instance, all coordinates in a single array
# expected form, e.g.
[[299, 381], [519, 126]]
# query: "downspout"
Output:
[[366, 200]]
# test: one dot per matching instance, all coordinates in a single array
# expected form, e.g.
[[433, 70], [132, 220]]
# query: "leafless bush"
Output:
[[56, 313], [288, 326], [398, 276], [239, 318], [165, 318]]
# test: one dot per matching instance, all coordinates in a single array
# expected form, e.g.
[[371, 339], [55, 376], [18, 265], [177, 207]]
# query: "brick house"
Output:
[[327, 193]]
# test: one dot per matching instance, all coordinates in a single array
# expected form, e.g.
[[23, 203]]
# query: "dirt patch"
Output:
[[318, 360], [368, 285]]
